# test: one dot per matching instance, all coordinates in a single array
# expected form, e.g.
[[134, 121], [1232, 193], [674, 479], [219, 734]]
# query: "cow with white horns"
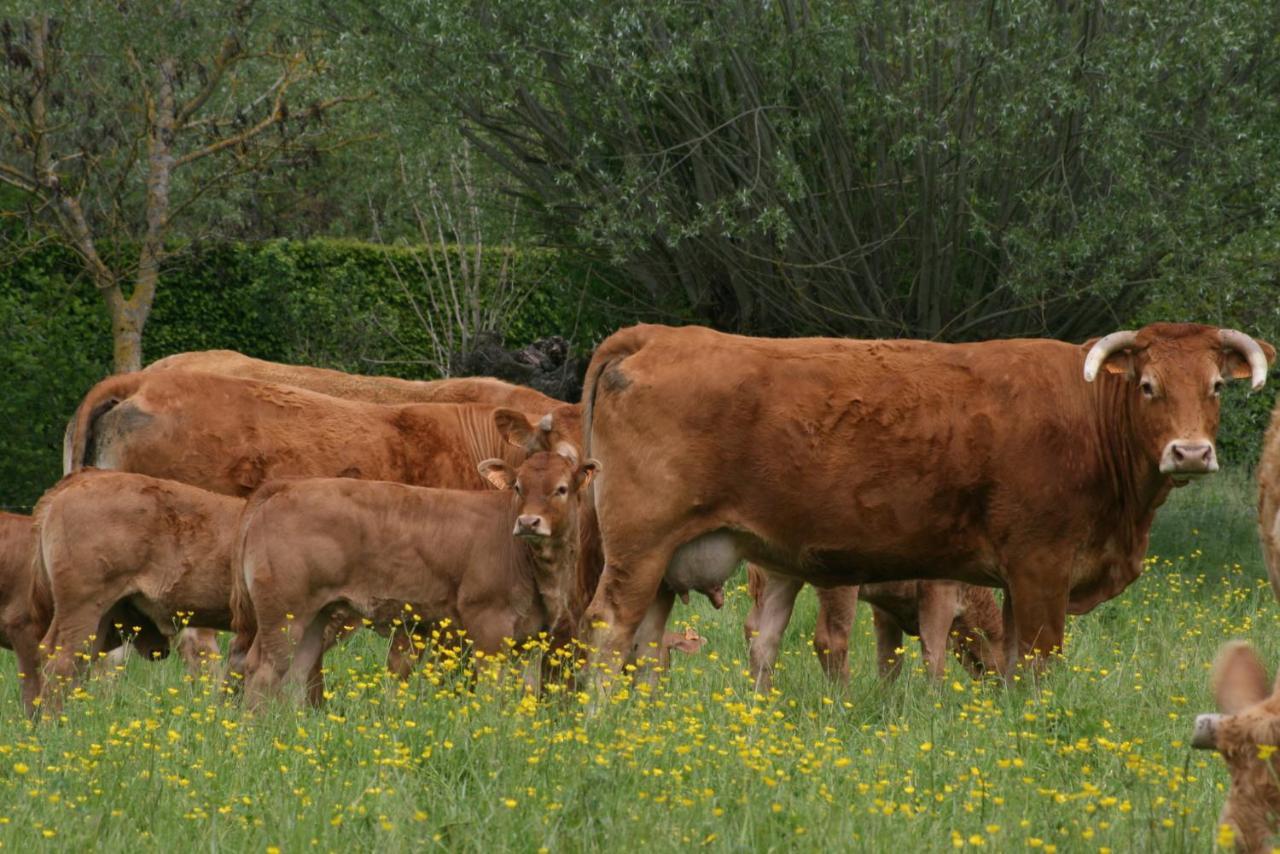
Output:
[[1032, 465]]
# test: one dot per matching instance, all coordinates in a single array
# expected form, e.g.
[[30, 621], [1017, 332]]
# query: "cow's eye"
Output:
[[1148, 389], [1218, 385], [562, 490]]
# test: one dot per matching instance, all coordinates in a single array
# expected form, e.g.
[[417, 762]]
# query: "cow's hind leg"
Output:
[[777, 600], [73, 641], [837, 610], [622, 599], [888, 644]]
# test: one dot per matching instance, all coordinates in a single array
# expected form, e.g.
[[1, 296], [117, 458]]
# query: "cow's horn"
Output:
[[546, 423], [568, 451], [1236, 340], [1105, 346], [1205, 734]]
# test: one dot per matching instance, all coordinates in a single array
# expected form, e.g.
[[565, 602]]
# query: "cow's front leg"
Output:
[[777, 599], [1035, 614]]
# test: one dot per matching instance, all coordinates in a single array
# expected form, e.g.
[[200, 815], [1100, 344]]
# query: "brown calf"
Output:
[[1246, 731], [943, 614], [498, 564], [115, 547]]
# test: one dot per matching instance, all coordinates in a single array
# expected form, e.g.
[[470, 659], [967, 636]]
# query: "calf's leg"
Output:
[[939, 601], [649, 653], [777, 600], [837, 609], [888, 641]]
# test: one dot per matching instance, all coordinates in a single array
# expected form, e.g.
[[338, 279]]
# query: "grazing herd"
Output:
[[293, 505]]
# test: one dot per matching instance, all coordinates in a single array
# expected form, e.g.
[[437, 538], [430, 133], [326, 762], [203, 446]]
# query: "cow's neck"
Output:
[[1132, 488], [551, 563]]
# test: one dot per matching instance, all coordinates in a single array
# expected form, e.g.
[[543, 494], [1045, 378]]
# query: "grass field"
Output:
[[1094, 758]]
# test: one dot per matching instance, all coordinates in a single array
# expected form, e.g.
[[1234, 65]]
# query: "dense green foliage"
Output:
[[336, 304], [954, 170], [1094, 757]]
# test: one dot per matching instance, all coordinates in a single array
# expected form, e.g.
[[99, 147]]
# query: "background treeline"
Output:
[[341, 304], [174, 176]]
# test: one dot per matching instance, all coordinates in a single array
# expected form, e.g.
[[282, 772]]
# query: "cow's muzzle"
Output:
[[1186, 458], [1205, 734], [532, 526]]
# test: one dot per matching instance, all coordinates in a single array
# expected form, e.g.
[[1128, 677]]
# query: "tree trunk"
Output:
[[126, 339]]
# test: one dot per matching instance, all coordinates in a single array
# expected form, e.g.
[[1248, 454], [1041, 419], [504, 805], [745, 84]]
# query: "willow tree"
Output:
[[119, 119], [946, 170]]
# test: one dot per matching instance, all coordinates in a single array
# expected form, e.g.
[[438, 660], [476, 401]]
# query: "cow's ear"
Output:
[[588, 470], [1239, 679], [498, 473], [515, 429], [1238, 367], [690, 642], [1118, 362]]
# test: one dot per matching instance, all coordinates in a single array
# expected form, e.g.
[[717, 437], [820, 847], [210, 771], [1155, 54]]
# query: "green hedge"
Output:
[[321, 302]]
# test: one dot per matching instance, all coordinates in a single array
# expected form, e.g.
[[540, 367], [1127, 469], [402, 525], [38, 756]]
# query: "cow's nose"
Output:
[[528, 524], [1189, 457]]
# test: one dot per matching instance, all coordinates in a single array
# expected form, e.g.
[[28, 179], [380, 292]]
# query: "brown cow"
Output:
[[942, 614], [498, 564], [22, 623], [1245, 731], [1269, 500], [1033, 465], [115, 547], [229, 363]]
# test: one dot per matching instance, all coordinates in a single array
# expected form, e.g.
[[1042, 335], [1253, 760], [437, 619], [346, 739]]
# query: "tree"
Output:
[[943, 170], [118, 119]]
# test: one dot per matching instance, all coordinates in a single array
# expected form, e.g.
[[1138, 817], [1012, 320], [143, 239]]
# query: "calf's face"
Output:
[[547, 486], [1246, 731], [1176, 373]]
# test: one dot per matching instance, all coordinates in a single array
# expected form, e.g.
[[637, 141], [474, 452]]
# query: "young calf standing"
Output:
[[322, 550], [120, 547]]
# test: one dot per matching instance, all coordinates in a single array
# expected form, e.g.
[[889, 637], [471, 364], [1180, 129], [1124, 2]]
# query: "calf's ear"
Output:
[[515, 429], [588, 470], [498, 473], [1239, 679]]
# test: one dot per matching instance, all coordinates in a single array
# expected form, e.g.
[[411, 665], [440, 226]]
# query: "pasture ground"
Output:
[[1093, 758]]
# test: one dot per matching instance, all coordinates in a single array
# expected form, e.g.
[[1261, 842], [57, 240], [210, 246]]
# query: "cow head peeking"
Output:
[[547, 485], [1246, 731], [1176, 372]]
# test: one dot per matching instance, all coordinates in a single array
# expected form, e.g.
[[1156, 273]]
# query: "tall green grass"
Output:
[[1093, 757]]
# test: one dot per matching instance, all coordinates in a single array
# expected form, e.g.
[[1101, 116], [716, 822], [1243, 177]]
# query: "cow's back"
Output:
[[371, 389]]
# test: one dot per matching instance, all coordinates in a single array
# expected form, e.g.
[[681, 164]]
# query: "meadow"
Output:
[[1093, 756]]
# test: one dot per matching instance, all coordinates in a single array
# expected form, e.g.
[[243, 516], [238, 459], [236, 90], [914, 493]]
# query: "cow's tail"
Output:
[[40, 599], [102, 398], [244, 620], [611, 351]]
